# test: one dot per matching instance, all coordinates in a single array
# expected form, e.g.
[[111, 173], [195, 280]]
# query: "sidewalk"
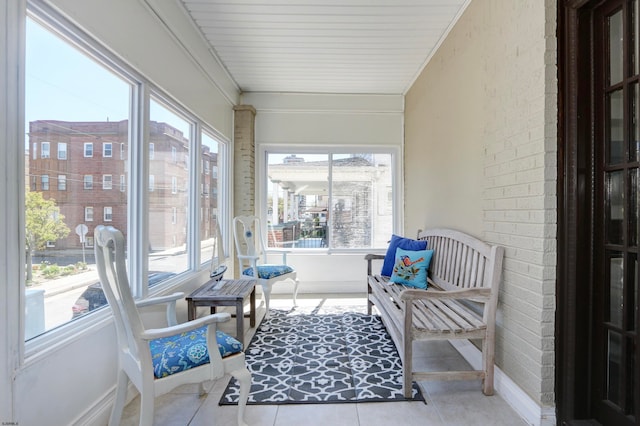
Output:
[[65, 283]]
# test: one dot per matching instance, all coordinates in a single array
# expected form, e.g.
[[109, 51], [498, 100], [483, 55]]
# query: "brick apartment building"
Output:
[[83, 167]]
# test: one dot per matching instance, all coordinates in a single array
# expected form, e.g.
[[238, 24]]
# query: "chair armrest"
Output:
[[282, 251], [372, 256], [156, 333], [169, 299], [159, 299], [475, 294], [246, 256]]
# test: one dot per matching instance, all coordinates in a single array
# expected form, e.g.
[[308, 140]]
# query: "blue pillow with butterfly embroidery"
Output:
[[410, 267]]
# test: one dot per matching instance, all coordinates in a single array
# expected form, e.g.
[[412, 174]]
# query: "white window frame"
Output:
[[394, 151], [123, 183], [88, 149], [62, 182], [87, 182], [136, 213], [45, 149], [108, 214], [107, 149], [152, 150], [44, 182], [107, 182], [62, 151], [174, 184], [152, 183], [88, 214]]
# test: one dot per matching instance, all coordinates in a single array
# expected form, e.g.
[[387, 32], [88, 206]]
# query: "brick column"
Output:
[[244, 185]]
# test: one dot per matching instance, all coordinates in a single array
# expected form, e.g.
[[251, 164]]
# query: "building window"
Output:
[[108, 214], [174, 154], [107, 150], [335, 200], [62, 183], [152, 150], [88, 149], [152, 183], [206, 167], [88, 181], [88, 214], [107, 181], [174, 185], [34, 151], [174, 215], [123, 183], [44, 182], [62, 150], [45, 148], [122, 151]]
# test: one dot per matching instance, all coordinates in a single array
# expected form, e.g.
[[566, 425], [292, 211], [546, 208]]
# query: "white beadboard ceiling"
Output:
[[324, 46]]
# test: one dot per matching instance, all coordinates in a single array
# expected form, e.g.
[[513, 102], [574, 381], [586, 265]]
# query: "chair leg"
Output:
[[147, 399], [295, 291], [121, 394], [243, 376], [266, 291]]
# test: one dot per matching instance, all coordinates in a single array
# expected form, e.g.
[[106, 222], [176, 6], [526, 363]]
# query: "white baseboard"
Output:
[[508, 390]]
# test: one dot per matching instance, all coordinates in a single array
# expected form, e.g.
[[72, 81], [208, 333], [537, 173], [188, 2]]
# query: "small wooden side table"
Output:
[[226, 293]]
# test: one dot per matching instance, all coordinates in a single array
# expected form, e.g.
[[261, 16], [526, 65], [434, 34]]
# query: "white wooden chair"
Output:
[[252, 253], [147, 356]]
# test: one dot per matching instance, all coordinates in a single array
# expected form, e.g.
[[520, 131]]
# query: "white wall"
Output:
[[307, 120], [67, 376]]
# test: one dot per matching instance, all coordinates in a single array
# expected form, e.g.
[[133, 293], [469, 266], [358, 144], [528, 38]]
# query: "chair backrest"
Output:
[[248, 236], [109, 249]]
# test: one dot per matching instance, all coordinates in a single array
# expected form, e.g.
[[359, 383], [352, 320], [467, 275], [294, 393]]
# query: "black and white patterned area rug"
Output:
[[311, 358]]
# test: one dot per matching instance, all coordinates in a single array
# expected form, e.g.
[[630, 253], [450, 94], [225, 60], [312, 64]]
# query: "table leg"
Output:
[[240, 322], [191, 311], [252, 308]]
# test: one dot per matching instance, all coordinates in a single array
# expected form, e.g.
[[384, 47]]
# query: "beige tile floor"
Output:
[[447, 403]]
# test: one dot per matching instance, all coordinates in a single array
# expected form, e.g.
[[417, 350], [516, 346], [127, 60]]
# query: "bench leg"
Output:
[[407, 366], [488, 358]]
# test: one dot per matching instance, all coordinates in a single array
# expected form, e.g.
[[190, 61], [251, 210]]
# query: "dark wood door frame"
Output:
[[579, 107], [575, 177]]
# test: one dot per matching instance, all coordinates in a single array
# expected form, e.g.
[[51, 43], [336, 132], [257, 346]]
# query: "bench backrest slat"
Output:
[[459, 260]]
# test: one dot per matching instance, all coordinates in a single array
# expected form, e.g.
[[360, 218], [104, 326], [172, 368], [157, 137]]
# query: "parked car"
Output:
[[93, 297]]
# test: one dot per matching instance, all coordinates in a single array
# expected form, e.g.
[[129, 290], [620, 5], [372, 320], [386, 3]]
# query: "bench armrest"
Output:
[[372, 256], [475, 294]]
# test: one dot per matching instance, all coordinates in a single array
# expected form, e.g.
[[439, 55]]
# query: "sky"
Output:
[[64, 84]]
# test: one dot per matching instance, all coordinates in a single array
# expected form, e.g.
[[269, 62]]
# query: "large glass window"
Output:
[[73, 102], [330, 200], [77, 103], [170, 133], [209, 203]]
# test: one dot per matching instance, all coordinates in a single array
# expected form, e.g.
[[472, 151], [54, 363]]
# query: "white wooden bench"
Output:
[[460, 303]]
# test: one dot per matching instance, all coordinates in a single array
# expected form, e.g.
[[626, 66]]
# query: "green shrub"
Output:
[[51, 271], [68, 270]]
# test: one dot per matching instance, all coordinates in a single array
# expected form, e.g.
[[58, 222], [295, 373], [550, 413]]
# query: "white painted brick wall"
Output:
[[520, 203]]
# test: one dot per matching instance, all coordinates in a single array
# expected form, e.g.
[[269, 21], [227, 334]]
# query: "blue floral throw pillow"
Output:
[[396, 243], [410, 267]]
